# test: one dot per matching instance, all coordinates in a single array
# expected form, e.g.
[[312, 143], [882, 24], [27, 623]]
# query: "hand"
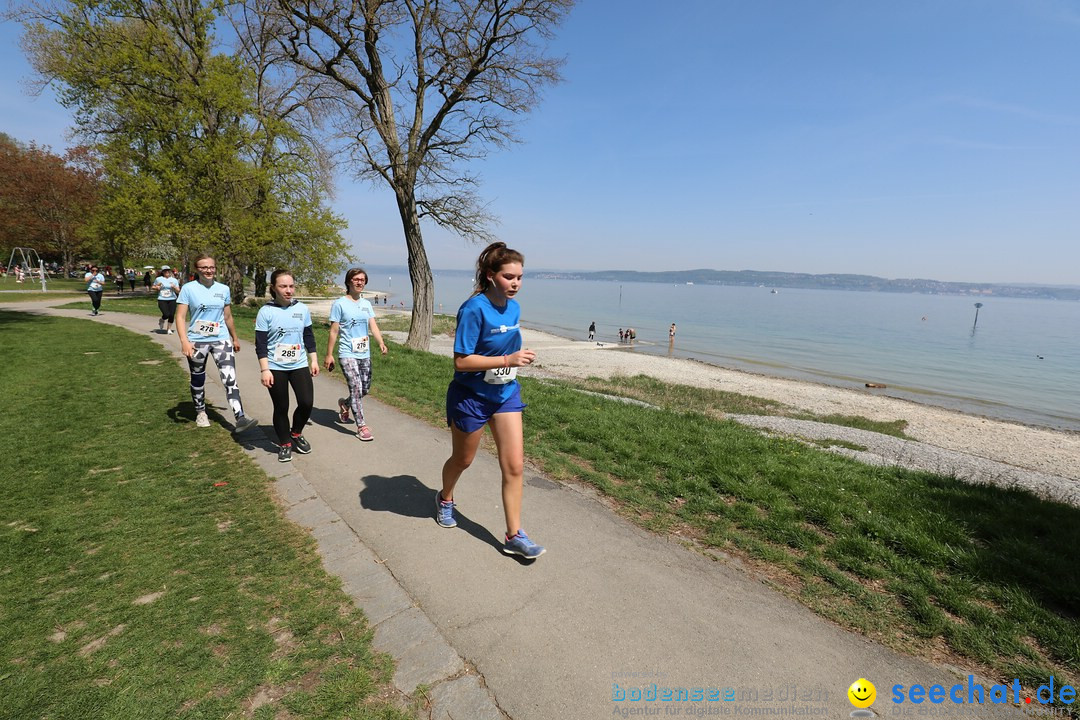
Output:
[[382, 347], [187, 349], [267, 379], [315, 368], [522, 358], [236, 344], [328, 363]]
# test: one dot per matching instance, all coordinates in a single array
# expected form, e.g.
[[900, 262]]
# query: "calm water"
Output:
[[831, 336]]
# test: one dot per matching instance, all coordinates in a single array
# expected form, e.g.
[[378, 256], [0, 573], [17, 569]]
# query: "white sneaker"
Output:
[[201, 420], [172, 332]]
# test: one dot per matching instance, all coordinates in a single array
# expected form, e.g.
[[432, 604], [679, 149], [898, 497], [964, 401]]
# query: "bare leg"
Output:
[[509, 440], [461, 457]]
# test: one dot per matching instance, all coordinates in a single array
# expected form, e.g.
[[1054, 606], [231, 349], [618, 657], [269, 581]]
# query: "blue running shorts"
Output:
[[469, 413]]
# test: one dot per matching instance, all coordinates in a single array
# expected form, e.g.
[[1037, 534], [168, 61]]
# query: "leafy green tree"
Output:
[[421, 88], [191, 156]]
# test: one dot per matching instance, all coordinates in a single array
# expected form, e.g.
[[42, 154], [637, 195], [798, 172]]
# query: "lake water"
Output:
[[923, 347]]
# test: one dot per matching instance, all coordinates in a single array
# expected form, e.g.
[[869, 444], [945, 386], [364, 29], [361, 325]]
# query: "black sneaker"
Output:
[[284, 453], [301, 445]]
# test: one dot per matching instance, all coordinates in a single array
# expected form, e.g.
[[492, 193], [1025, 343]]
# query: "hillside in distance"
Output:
[[832, 281]]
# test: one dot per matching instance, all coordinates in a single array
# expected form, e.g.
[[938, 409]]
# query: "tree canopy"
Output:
[[194, 156]]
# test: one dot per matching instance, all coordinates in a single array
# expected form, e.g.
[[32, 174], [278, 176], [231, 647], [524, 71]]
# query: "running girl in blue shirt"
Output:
[[95, 287], [351, 321], [485, 390], [285, 344], [205, 323], [168, 288]]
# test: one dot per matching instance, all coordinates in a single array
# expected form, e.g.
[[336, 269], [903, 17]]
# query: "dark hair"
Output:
[[491, 261], [273, 280], [353, 272]]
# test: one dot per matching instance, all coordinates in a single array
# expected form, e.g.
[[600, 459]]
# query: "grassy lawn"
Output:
[[979, 576], [145, 571]]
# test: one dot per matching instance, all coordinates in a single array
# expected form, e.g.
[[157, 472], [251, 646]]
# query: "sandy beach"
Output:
[[1044, 456]]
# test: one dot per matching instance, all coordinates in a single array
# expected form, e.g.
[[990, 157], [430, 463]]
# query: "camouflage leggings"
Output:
[[226, 362], [358, 376]]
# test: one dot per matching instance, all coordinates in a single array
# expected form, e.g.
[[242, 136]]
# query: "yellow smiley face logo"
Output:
[[862, 693]]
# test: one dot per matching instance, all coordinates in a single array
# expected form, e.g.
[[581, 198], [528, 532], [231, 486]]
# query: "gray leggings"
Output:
[[226, 362]]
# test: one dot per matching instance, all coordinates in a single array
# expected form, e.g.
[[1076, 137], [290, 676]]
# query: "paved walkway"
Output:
[[610, 607]]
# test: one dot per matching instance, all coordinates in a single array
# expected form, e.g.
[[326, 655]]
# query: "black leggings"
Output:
[[167, 308], [95, 298], [305, 397]]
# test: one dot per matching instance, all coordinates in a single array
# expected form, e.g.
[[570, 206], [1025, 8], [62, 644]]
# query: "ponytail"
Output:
[[491, 261]]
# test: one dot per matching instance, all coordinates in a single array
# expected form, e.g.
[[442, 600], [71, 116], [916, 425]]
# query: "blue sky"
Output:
[[934, 139]]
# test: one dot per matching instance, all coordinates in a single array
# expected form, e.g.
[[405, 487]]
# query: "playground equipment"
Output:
[[30, 263]]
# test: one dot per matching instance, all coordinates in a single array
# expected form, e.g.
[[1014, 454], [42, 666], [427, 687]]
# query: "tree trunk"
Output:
[[258, 275], [233, 276], [423, 287]]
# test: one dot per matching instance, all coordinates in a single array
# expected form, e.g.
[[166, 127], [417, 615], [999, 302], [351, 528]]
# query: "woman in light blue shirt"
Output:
[[351, 321], [285, 344], [95, 287], [204, 322], [168, 288]]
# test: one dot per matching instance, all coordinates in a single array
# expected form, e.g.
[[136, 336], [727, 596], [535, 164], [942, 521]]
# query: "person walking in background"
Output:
[[119, 279], [485, 390], [204, 322], [168, 288], [592, 330], [147, 280], [131, 278], [352, 319], [285, 345], [95, 287]]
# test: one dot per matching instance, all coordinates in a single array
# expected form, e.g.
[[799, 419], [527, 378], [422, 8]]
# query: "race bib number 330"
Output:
[[500, 376]]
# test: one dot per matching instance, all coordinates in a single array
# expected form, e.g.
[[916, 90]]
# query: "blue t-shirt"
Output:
[[206, 311], [486, 329], [94, 282], [167, 287], [353, 318], [284, 328]]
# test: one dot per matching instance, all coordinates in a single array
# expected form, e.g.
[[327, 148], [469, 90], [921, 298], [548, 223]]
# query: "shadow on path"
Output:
[[407, 496]]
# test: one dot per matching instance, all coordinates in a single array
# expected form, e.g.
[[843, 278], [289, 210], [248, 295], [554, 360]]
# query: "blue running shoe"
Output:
[[521, 545], [444, 511]]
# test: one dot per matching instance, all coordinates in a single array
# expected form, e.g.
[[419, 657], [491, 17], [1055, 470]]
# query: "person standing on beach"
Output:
[[211, 333], [285, 345], [592, 330], [485, 390], [168, 288], [95, 287], [671, 333], [351, 321]]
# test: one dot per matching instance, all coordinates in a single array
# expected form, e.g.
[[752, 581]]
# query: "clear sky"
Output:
[[925, 138]]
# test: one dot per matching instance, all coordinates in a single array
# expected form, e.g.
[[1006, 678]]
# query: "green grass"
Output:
[[133, 583], [923, 563], [441, 324]]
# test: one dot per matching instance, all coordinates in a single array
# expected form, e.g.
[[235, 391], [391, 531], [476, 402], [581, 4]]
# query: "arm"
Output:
[[335, 330], [232, 328], [181, 329], [374, 328], [480, 363], [312, 353], [261, 341]]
